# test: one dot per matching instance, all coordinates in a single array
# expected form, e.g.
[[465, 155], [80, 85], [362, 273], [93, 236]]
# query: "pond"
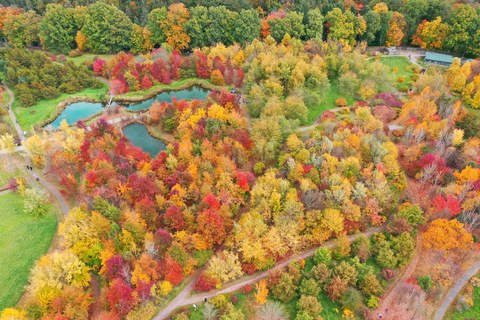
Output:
[[77, 111], [138, 135], [192, 93]]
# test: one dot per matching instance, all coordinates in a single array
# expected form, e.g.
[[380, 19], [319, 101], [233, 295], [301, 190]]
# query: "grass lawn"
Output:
[[23, 239], [328, 102], [89, 57], [404, 68], [46, 109]]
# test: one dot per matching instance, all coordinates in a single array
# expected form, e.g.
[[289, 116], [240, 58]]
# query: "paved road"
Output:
[[47, 185], [185, 299], [455, 290]]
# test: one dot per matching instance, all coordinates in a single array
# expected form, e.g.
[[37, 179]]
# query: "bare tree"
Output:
[[271, 310], [313, 199]]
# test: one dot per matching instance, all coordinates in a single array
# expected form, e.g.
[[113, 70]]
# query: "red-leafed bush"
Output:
[[204, 283], [98, 66]]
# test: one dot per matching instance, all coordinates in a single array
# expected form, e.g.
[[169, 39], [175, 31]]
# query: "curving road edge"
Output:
[[455, 290]]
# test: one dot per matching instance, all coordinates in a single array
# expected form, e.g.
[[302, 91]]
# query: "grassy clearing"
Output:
[[23, 239], [46, 109], [328, 102], [89, 57], [405, 68]]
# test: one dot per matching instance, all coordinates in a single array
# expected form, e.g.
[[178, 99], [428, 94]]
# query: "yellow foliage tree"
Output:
[[13, 314], [81, 41]]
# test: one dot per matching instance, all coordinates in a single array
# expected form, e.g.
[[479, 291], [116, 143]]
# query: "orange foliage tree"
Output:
[[177, 37], [262, 292], [447, 235]]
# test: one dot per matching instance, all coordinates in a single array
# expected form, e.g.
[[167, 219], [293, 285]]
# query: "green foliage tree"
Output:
[[58, 28], [412, 213], [323, 255], [464, 24], [107, 29], [197, 27], [309, 287], [154, 23], [369, 284], [342, 25], [291, 24], [314, 24]]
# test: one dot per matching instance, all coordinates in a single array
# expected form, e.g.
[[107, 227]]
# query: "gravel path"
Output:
[[184, 298], [47, 185], [455, 290]]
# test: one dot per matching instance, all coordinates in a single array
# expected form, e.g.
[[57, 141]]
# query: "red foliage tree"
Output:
[[201, 65], [120, 297], [173, 218], [115, 268], [242, 180], [146, 83], [163, 239], [210, 201], [118, 86], [211, 226], [448, 205], [173, 271]]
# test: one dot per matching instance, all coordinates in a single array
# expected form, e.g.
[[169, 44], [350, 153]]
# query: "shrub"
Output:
[[373, 302], [403, 89], [401, 79], [205, 283], [310, 305], [412, 213], [395, 69], [341, 102], [425, 282], [75, 53], [247, 288], [352, 299]]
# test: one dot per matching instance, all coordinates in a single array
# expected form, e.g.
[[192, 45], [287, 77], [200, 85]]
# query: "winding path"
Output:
[[47, 185], [184, 298], [455, 290]]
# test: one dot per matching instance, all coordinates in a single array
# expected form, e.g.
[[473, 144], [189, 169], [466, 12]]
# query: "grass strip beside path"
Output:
[[23, 240]]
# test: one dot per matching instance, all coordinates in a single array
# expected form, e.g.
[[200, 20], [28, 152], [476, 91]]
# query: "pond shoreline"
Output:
[[157, 148], [61, 106], [188, 84]]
